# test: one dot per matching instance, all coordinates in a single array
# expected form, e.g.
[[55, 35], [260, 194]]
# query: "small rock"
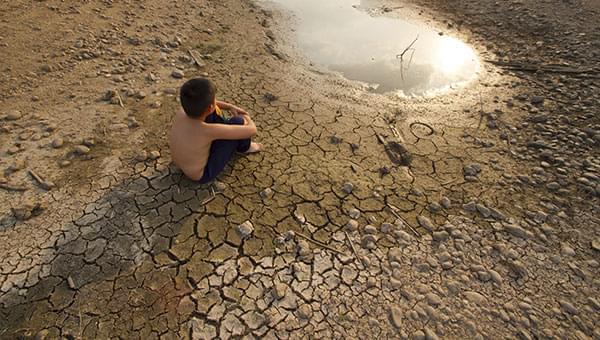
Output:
[[568, 307], [369, 229], [495, 276], [154, 155], [386, 227], [245, 229], [58, 143], [425, 222], [566, 250], [266, 193], [81, 150], [515, 230], [14, 115], [430, 334], [475, 298], [354, 213], [446, 203], [395, 315], [141, 156], [536, 100], [352, 225], [348, 275], [347, 188], [177, 74], [440, 236]]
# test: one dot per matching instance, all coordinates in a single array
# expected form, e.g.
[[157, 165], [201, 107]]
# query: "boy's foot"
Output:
[[254, 148]]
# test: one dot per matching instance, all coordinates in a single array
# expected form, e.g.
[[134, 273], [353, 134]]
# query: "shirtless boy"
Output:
[[202, 141]]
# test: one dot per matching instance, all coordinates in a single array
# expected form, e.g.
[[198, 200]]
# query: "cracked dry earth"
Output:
[[319, 236]]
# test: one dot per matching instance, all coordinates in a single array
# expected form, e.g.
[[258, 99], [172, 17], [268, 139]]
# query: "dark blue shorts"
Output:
[[222, 150]]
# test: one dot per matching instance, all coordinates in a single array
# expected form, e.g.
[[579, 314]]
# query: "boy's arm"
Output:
[[228, 106], [232, 132]]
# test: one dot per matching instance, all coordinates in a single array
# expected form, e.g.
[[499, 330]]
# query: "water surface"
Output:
[[342, 36]]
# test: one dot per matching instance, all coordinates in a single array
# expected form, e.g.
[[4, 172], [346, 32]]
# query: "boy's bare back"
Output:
[[190, 145]]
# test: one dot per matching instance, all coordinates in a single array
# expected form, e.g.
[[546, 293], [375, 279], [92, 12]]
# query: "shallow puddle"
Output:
[[389, 54]]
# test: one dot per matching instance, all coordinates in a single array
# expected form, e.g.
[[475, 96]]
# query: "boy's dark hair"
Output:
[[196, 95]]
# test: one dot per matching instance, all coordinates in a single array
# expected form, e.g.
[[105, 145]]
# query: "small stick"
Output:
[[10, 187], [352, 247], [401, 55], [42, 183], [120, 99], [319, 243], [403, 220]]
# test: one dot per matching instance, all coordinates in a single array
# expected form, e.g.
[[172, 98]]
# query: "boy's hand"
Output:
[[238, 111]]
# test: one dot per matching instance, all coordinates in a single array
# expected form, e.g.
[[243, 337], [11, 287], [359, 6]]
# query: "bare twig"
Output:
[[481, 111], [401, 55], [352, 247], [393, 211], [10, 187], [40, 181], [119, 99], [321, 244]]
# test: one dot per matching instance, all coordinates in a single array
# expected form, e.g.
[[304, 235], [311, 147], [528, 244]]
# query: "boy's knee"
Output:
[[237, 120]]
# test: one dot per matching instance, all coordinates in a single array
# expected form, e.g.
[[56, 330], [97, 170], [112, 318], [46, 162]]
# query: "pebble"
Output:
[[386, 227], [425, 222], [305, 312], [536, 100], [418, 335], [81, 150], [349, 275], [266, 193], [495, 276], [446, 203], [177, 74], [475, 298], [430, 334], [347, 188], [369, 229], [141, 156], [58, 143], [154, 154], [352, 225], [515, 230], [566, 250], [395, 315], [354, 213], [14, 115], [440, 236], [568, 307], [245, 229]]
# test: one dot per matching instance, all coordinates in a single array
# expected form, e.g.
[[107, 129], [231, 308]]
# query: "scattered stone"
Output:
[[347, 188], [386, 227], [245, 229], [266, 193], [495, 276], [58, 143], [446, 203], [475, 298], [430, 334], [596, 244], [354, 213], [352, 225], [369, 229], [14, 115], [426, 223], [81, 150], [568, 307], [536, 100], [515, 230], [177, 74], [395, 315], [566, 250], [440, 236], [141, 156], [154, 155], [348, 275]]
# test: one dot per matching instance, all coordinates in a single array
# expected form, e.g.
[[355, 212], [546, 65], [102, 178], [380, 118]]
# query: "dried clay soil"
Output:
[[491, 232]]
